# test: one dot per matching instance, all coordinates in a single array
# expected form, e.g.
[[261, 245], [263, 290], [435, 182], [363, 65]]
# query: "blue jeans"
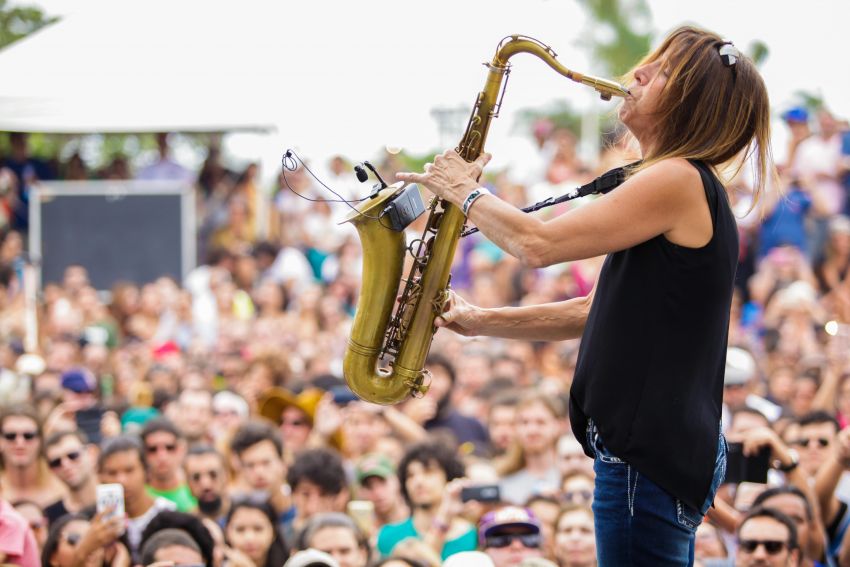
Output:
[[637, 522]]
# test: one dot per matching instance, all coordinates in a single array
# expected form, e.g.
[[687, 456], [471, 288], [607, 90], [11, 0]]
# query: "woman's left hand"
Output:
[[450, 176]]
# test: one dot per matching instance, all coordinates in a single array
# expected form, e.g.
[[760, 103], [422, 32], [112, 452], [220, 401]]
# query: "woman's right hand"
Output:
[[460, 316]]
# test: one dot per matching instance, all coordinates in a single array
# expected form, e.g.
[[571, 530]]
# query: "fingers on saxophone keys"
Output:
[[410, 177]]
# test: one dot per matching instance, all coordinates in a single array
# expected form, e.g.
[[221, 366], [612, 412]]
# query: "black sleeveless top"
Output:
[[652, 357]]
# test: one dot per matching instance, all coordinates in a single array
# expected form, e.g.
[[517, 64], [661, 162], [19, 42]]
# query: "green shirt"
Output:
[[181, 496], [391, 534]]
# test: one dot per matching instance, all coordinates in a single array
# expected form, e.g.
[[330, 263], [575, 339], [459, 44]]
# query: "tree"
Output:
[[20, 21]]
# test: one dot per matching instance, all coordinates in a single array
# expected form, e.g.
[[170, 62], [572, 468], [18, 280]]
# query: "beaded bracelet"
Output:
[[472, 197]]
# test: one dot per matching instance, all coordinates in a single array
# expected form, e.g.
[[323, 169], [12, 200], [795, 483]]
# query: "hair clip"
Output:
[[728, 53]]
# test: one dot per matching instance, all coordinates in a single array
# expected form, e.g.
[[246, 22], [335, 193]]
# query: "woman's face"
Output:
[[638, 109], [575, 542], [250, 532], [70, 537]]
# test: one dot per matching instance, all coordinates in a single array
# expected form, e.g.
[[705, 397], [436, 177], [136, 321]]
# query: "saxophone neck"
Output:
[[514, 44]]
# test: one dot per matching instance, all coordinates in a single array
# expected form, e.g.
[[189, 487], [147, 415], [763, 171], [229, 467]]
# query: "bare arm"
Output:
[[558, 321], [665, 198]]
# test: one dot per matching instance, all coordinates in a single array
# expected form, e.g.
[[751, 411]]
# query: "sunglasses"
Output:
[[197, 476], [771, 546], [578, 496], [527, 540], [822, 442], [170, 447], [73, 456], [27, 435]]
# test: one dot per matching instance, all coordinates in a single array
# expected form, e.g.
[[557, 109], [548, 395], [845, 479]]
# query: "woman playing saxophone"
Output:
[[647, 392]]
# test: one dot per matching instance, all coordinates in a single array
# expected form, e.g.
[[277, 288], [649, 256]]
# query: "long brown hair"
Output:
[[709, 111]]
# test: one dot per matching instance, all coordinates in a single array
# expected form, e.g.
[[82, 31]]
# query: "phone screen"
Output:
[[740, 468], [110, 497]]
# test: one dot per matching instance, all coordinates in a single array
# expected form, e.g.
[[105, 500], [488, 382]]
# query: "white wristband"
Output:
[[472, 197]]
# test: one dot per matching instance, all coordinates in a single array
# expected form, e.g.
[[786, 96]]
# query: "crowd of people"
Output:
[[218, 404]]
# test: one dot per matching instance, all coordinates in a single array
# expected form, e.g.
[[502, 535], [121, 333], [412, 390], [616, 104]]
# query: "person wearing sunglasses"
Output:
[[815, 435], [25, 475], [793, 502], [72, 459], [165, 448], [207, 477], [767, 538], [510, 535]]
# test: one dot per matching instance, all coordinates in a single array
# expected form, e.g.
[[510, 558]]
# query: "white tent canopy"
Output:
[[345, 78]]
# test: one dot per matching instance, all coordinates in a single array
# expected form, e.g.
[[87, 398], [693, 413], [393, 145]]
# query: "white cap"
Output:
[[469, 559], [228, 401], [311, 558], [740, 366]]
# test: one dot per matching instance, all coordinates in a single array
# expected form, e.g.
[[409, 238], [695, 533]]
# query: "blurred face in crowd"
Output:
[[179, 555], [441, 382], [35, 519], [814, 442], [340, 543], [780, 384], [537, 429], [708, 543], [251, 532], [195, 413], [792, 506], [362, 428], [383, 492], [735, 395], [125, 468], [473, 371], [425, 483], [165, 454], [571, 456], [578, 488], [575, 539], [71, 461], [71, 535], [20, 442], [207, 481], [763, 542], [803, 396], [510, 546], [547, 514], [262, 468], [309, 499], [295, 427], [501, 426], [745, 421]]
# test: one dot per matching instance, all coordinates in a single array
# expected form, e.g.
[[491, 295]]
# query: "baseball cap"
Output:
[[796, 114], [740, 367], [79, 380], [311, 558], [373, 464], [507, 517]]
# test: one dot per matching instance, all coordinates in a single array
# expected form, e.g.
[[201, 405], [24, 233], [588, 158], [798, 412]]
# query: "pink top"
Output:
[[17, 542]]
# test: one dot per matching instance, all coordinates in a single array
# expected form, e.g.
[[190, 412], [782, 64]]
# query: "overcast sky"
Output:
[[808, 43]]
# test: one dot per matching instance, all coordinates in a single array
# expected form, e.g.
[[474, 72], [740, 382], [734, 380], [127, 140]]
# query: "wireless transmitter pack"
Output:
[[404, 208]]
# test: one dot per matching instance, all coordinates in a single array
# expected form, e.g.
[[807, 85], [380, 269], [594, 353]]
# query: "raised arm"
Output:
[[665, 198]]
